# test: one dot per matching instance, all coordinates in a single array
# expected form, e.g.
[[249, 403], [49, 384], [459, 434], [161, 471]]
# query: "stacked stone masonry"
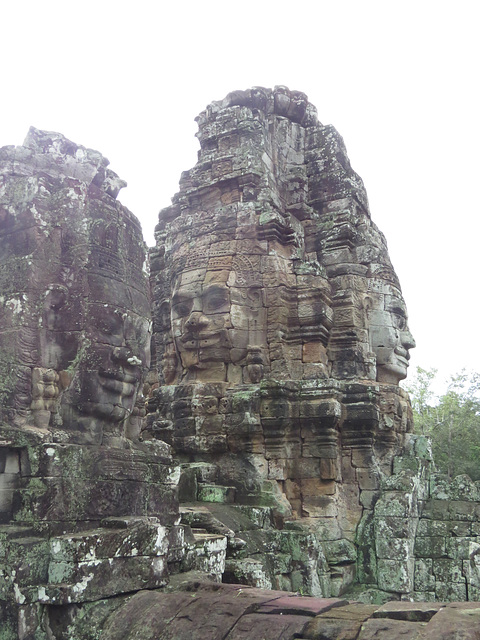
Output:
[[255, 434]]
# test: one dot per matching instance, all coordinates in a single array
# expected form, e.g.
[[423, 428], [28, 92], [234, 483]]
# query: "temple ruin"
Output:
[[195, 443]]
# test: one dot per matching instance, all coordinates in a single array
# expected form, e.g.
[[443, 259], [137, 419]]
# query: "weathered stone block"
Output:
[[461, 510], [427, 527], [455, 619], [406, 463], [424, 578], [339, 551], [392, 629], [102, 578], [451, 591], [216, 493], [368, 499], [367, 479], [23, 562], [319, 506], [282, 563], [460, 529], [317, 487], [431, 547], [395, 575], [395, 527], [303, 468], [329, 469], [459, 548], [76, 461], [141, 537], [394, 503], [58, 499], [284, 626], [277, 469], [475, 528], [393, 548], [207, 554], [447, 570], [413, 612], [402, 481], [362, 457], [437, 510]]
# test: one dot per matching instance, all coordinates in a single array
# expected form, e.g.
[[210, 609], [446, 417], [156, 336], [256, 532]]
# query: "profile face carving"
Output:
[[390, 337]]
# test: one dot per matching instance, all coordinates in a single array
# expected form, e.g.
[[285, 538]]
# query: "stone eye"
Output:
[[182, 308], [216, 301], [400, 320], [111, 324]]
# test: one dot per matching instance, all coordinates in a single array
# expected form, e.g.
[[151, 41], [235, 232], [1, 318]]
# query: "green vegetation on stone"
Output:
[[450, 420]]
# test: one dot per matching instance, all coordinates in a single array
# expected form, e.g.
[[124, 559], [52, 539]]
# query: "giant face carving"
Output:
[[216, 318], [299, 213], [113, 352], [390, 337], [200, 322], [80, 337], [112, 361], [236, 317]]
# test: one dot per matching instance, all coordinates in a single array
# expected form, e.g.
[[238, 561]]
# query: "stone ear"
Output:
[[367, 305]]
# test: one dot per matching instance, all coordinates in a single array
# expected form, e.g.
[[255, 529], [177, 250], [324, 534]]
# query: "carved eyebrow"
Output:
[[397, 307], [215, 289], [182, 297], [400, 311]]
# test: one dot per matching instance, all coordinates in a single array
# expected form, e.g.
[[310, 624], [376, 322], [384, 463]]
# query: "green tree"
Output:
[[451, 420]]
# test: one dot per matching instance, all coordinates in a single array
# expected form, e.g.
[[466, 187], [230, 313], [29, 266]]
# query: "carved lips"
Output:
[[118, 382]]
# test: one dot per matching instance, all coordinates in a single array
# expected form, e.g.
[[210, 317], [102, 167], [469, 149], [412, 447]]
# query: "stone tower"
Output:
[[280, 330]]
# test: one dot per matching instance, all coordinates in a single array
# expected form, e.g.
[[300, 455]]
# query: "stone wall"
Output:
[[425, 533]]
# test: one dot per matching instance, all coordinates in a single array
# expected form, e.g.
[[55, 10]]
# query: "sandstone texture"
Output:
[[210, 441], [86, 509]]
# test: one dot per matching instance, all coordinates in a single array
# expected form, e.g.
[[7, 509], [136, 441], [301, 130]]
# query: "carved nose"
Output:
[[195, 320], [408, 341], [122, 354]]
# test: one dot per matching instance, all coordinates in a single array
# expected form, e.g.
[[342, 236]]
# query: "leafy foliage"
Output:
[[451, 420]]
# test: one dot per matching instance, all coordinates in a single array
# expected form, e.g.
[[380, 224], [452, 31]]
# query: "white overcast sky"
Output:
[[399, 80]]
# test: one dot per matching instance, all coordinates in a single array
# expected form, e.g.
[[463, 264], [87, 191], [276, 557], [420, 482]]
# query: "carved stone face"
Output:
[[76, 324], [111, 364], [113, 351], [200, 321], [390, 337]]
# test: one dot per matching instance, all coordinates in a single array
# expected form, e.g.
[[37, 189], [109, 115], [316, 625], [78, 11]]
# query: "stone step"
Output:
[[207, 553], [123, 537], [84, 565], [204, 471], [191, 475], [215, 493], [199, 518], [99, 578]]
